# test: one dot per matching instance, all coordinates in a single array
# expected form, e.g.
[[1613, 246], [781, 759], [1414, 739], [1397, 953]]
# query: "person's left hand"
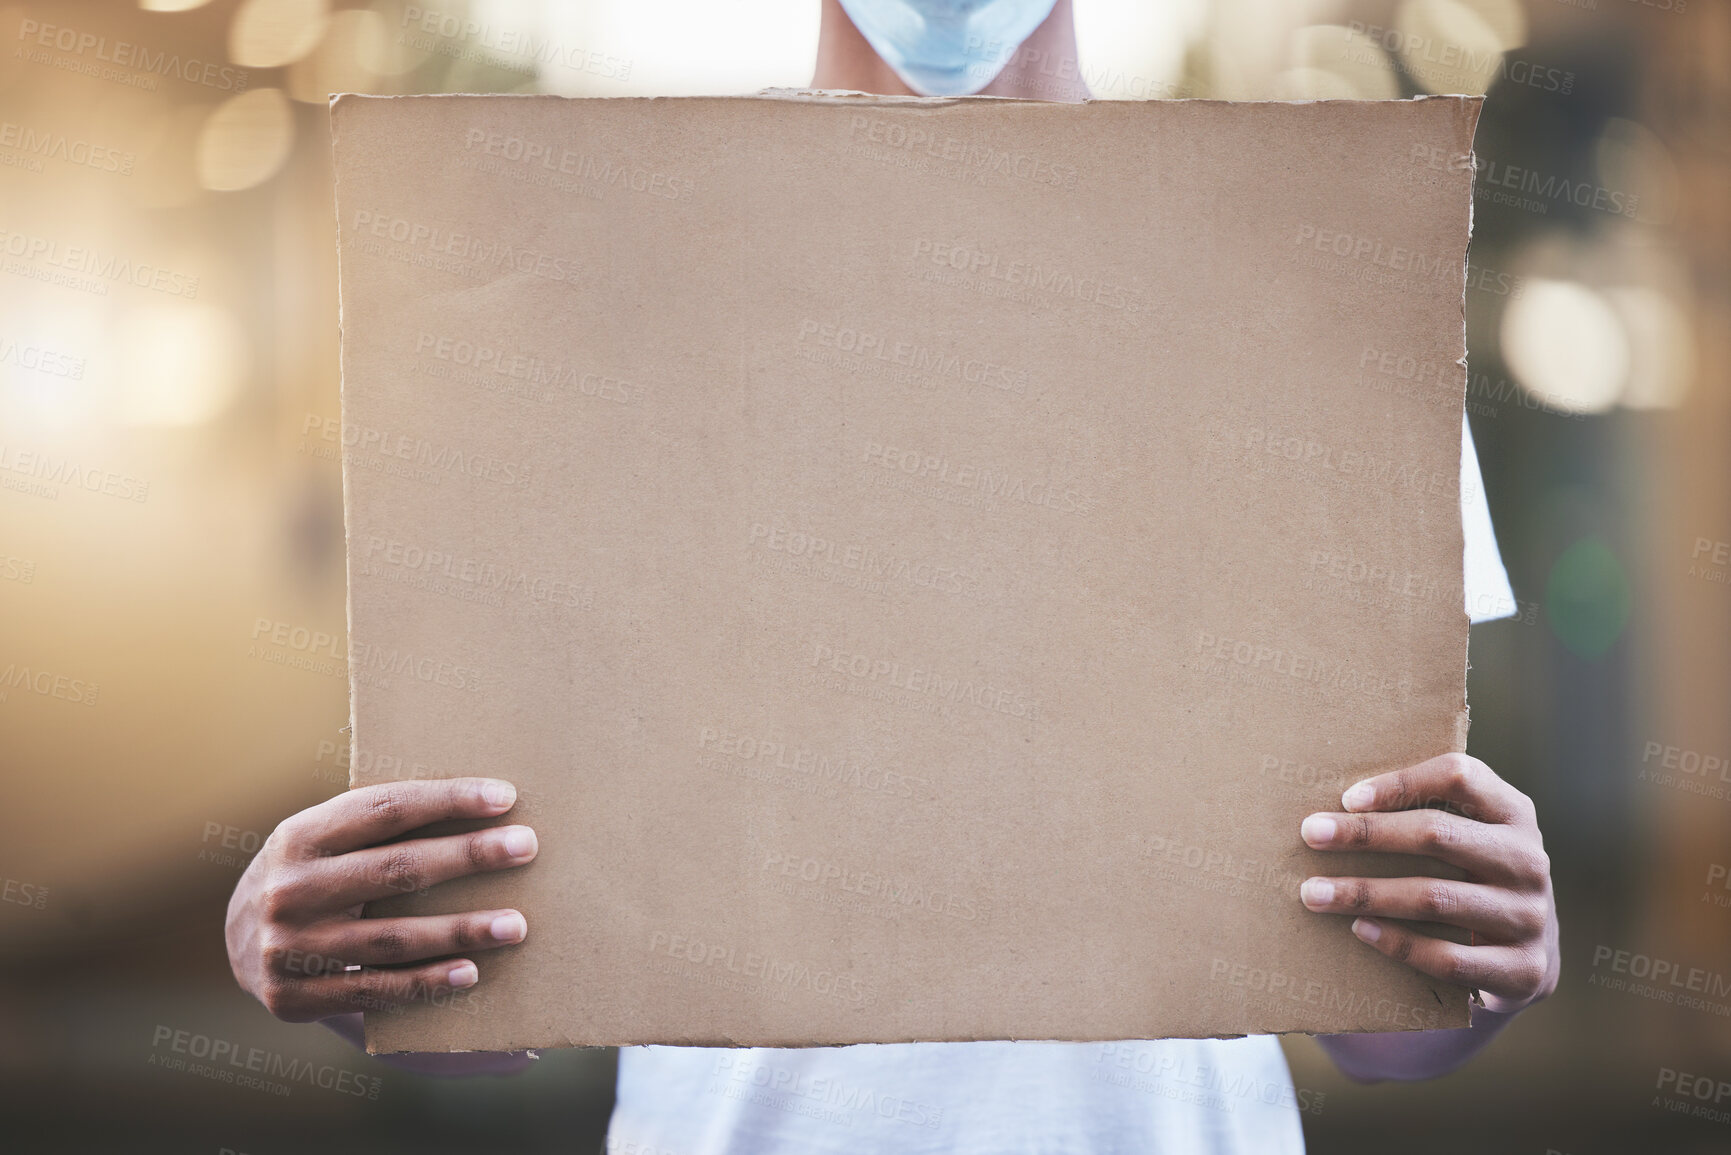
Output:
[[1505, 900]]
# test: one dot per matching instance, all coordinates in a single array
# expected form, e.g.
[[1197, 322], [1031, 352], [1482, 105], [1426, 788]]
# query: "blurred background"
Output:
[[168, 352]]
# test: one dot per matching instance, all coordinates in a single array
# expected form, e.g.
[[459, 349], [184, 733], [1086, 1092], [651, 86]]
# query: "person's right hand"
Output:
[[295, 925]]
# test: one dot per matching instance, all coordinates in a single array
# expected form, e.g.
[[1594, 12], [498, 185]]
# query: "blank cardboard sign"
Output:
[[919, 560]]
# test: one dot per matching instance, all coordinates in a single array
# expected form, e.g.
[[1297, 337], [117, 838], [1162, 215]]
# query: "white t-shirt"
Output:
[[1178, 1096], [1186, 1096]]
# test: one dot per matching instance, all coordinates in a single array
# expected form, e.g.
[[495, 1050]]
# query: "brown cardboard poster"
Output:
[[908, 553]]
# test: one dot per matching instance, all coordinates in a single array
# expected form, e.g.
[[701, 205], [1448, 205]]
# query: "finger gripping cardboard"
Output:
[[919, 560]]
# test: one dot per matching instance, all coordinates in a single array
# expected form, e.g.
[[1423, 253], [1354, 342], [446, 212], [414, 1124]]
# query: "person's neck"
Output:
[[1044, 67]]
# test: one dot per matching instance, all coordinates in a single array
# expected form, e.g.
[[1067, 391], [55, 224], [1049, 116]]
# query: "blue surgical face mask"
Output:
[[947, 47]]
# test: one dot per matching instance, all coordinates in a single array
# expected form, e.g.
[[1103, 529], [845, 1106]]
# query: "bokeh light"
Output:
[[675, 46], [185, 362], [1661, 347], [1452, 45], [245, 140], [1133, 50], [1587, 598], [272, 33], [337, 64], [377, 45], [1334, 62], [1566, 345], [1632, 160], [167, 171]]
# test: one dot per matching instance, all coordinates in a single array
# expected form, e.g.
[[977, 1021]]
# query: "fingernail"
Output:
[[519, 842], [1366, 929], [463, 974], [1318, 829], [500, 795], [1358, 796], [1316, 892], [509, 928]]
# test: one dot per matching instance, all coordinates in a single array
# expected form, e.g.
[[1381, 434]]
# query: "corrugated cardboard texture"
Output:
[[919, 559]]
